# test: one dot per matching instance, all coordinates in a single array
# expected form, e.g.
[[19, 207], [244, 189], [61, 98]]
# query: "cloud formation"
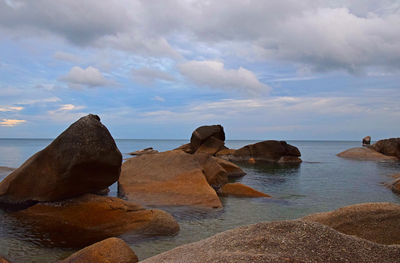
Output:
[[10, 108], [147, 76], [90, 77], [10, 122]]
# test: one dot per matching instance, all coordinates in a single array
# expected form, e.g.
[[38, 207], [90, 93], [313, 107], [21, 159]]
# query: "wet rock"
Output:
[[111, 250], [240, 190], [172, 178], [366, 140], [284, 241], [149, 150], [389, 147], [233, 171], [203, 133], [83, 159], [376, 222], [365, 154], [90, 218]]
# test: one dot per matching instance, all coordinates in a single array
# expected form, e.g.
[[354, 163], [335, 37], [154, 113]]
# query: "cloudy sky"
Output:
[[268, 69]]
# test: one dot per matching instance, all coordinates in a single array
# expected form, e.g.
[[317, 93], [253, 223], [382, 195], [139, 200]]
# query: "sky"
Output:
[[270, 69]]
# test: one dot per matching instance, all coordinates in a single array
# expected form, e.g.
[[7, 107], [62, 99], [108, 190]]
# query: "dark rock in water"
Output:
[[283, 241], [240, 190], [376, 222], [365, 154], [366, 140], [111, 250], [90, 218], [83, 159], [3, 260], [390, 147], [149, 150], [203, 133]]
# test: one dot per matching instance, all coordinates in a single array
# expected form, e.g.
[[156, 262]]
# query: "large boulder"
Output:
[[90, 218], [240, 190], [204, 133], [284, 241], [110, 250], [377, 222], [173, 178], [365, 154], [265, 151], [83, 159], [390, 147]]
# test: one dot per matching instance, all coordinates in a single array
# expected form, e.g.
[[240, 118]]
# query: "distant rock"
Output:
[[90, 218], [111, 250], [365, 154], [83, 159], [366, 140], [389, 147], [149, 150], [376, 222], [173, 178], [204, 133], [283, 241], [240, 190]]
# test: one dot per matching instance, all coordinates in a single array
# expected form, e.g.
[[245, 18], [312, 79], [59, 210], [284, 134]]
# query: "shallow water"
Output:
[[322, 182]]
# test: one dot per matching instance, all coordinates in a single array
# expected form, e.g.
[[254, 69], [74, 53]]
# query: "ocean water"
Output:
[[322, 182]]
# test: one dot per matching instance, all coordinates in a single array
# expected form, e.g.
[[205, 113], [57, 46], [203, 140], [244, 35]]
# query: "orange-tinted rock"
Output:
[[83, 159], [3, 260], [172, 178], [390, 147], [111, 250], [377, 222], [395, 186], [211, 146], [187, 148], [149, 150], [240, 190], [225, 152], [203, 133], [90, 218], [233, 171], [215, 173], [365, 154]]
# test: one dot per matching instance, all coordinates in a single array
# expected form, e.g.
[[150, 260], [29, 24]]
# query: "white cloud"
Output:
[[68, 57], [10, 108], [10, 122], [90, 77], [158, 98], [213, 74], [39, 101], [148, 75]]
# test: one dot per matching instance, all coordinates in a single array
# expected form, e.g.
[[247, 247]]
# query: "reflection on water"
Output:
[[322, 182]]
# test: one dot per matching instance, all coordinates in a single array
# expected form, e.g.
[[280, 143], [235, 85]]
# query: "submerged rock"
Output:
[[83, 159], [390, 147], [240, 190], [376, 222], [90, 218], [111, 250], [365, 154], [173, 178], [284, 241]]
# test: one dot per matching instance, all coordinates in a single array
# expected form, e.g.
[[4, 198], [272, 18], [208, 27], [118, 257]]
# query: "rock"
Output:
[[104, 191], [187, 148], [149, 150], [83, 159], [90, 218], [284, 241], [225, 152], [201, 134], [3, 260], [390, 147], [111, 250], [366, 140], [215, 174], [376, 222], [233, 171], [365, 154], [395, 186], [211, 146], [265, 151], [240, 190], [173, 178]]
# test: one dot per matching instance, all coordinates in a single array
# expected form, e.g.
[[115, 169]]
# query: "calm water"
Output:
[[322, 182]]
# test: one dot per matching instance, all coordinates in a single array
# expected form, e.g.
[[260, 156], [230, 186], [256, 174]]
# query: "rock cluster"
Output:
[[389, 147]]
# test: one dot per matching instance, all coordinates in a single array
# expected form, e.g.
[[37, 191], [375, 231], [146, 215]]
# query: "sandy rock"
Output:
[[284, 241], [365, 154], [377, 222], [111, 250], [83, 159], [240, 190], [233, 171], [87, 219], [172, 178], [390, 147], [203, 133]]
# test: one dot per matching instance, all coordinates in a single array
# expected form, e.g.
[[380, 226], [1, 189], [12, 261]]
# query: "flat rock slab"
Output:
[[284, 241], [365, 154], [172, 178], [377, 222]]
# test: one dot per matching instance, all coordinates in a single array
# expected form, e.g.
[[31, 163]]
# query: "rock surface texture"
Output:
[[111, 250], [3, 260], [390, 147], [284, 241], [376, 222], [87, 219], [207, 135], [365, 154], [83, 159], [240, 190]]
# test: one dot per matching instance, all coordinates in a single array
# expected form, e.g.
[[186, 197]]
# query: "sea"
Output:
[[322, 182]]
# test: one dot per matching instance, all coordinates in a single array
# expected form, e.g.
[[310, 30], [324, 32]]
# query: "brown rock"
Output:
[[233, 171], [201, 134], [365, 154], [187, 148], [225, 153], [83, 159], [149, 150], [111, 250], [3, 260], [240, 190], [366, 140], [284, 241], [210, 146], [390, 147], [87, 219], [171, 178], [377, 222], [215, 174], [395, 186]]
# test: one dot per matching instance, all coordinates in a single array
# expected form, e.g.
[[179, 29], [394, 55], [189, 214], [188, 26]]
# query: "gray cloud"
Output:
[[148, 75], [90, 77]]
